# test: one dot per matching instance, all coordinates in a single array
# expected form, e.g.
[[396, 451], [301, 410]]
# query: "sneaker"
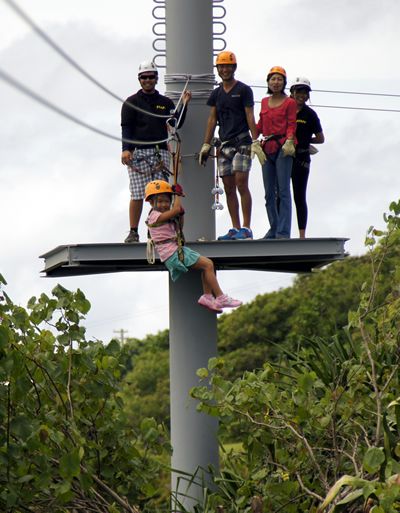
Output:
[[242, 234], [225, 301], [229, 235], [208, 301], [133, 236]]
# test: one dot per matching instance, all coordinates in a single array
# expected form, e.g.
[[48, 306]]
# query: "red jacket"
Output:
[[277, 121]]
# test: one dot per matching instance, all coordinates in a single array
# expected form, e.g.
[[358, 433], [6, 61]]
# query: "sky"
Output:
[[62, 184]]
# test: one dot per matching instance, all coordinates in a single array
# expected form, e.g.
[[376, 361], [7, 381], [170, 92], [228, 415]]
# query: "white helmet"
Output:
[[147, 66], [301, 82]]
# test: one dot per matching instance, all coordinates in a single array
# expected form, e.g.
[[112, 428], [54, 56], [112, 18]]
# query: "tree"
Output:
[[65, 440], [320, 428]]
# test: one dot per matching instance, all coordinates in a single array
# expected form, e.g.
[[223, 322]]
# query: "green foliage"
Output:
[[65, 440], [320, 427]]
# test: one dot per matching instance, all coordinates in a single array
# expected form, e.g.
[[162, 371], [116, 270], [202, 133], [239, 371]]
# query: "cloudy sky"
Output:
[[62, 184]]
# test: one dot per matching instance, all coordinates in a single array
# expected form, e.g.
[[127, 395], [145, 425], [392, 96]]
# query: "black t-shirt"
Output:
[[307, 124], [231, 115], [139, 126]]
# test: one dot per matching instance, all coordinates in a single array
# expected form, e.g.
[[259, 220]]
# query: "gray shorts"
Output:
[[146, 166], [232, 160]]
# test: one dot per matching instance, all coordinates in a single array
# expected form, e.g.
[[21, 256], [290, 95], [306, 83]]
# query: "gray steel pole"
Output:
[[193, 330]]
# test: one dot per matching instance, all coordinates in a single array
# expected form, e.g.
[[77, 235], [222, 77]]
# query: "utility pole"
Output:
[[193, 331], [121, 335]]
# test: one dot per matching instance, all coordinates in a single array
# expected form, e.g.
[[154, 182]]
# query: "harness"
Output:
[[155, 166], [233, 143], [179, 238]]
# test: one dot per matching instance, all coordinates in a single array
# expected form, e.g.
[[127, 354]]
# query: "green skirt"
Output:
[[176, 268]]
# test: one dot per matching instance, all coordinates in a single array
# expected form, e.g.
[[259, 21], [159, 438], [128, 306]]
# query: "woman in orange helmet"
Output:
[[277, 124]]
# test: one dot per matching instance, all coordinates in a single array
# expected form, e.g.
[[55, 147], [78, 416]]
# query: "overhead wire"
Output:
[[28, 92], [72, 62]]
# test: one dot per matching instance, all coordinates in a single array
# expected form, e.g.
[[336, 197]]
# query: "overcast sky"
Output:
[[62, 184]]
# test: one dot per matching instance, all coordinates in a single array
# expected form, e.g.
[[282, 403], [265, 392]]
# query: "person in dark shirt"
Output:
[[232, 108], [308, 132], [146, 162]]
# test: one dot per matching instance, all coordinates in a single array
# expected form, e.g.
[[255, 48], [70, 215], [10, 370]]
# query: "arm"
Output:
[[291, 120], [181, 113], [319, 138], [174, 211], [211, 124], [126, 122], [251, 122]]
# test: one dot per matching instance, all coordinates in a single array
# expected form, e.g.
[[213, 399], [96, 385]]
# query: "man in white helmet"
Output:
[[150, 160]]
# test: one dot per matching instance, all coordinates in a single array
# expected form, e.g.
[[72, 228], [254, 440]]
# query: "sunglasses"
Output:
[[147, 77]]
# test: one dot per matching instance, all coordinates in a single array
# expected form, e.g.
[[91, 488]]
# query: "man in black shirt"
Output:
[[144, 139], [232, 108]]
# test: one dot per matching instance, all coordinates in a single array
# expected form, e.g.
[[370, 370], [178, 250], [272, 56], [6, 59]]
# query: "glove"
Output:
[[204, 153], [313, 150], [256, 149], [177, 189], [288, 149]]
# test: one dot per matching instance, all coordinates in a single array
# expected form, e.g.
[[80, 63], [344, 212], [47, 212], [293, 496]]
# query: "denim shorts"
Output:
[[176, 268], [233, 159]]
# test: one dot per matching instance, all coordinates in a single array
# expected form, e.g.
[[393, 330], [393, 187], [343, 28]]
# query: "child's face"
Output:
[[162, 202]]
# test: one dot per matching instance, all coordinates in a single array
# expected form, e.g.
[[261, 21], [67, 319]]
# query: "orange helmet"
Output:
[[225, 58], [276, 69], [157, 187]]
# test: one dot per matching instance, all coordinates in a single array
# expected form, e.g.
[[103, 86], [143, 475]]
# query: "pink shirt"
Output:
[[278, 121], [160, 233]]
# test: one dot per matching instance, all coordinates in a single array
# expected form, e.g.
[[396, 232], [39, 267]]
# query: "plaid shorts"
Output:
[[233, 159], [145, 168]]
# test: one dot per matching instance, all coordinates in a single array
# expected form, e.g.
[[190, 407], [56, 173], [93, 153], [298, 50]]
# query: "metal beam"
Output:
[[286, 255]]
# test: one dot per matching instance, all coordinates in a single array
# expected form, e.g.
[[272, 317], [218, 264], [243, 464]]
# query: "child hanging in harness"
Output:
[[165, 222]]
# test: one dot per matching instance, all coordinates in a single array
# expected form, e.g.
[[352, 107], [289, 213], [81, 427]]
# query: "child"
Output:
[[163, 224]]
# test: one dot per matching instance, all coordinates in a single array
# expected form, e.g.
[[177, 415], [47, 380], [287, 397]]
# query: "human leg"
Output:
[[232, 199], [283, 174], [300, 173], [269, 180], [208, 277]]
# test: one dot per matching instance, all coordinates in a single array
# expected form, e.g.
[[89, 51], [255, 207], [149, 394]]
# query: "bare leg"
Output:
[[242, 184], [302, 234], [232, 199], [135, 211], [208, 277]]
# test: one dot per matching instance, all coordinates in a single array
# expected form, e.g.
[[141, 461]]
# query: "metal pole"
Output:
[[193, 330]]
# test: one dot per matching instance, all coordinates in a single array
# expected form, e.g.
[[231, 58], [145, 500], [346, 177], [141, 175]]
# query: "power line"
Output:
[[373, 109], [72, 62], [361, 93], [28, 92], [41, 33]]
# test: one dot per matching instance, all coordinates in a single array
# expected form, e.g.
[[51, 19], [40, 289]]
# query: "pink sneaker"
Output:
[[208, 301], [225, 301]]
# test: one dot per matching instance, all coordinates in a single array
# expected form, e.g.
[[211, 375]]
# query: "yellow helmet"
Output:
[[225, 58], [276, 69], [157, 187]]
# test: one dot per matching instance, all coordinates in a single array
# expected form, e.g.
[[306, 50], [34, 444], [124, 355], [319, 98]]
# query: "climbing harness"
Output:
[[179, 238]]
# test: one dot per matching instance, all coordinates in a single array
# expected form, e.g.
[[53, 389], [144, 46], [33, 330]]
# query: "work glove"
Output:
[[288, 149], [256, 149], [313, 150], [177, 189], [204, 153]]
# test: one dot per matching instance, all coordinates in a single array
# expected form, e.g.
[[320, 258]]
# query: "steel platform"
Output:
[[279, 255]]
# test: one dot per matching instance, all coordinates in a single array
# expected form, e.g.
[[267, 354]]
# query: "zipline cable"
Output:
[[28, 92], [72, 62]]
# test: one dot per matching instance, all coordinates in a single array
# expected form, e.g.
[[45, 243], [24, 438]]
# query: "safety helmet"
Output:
[[276, 69], [225, 58], [146, 66], [301, 83], [157, 187]]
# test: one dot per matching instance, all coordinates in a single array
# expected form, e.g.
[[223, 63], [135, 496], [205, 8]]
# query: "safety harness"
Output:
[[174, 148]]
